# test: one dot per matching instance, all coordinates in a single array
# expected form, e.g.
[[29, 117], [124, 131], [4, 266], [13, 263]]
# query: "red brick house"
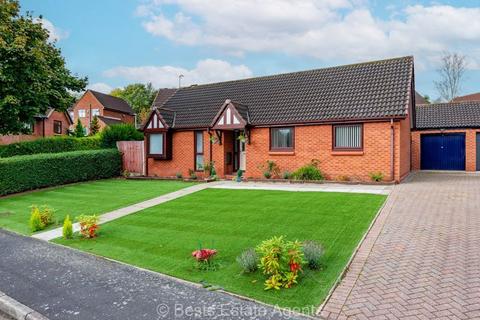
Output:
[[108, 109], [447, 136], [52, 123], [353, 119]]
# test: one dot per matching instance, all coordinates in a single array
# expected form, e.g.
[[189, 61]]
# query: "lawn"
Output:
[[95, 197], [162, 238]]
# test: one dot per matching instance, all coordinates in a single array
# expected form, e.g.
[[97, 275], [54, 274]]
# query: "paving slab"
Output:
[[421, 258], [62, 283]]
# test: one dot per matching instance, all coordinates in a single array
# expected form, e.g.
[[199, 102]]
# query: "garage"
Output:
[[443, 151]]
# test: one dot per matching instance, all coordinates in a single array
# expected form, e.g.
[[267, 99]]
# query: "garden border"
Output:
[[17, 310]]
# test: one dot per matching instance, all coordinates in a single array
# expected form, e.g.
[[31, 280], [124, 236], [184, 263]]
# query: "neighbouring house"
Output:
[[108, 109], [419, 99], [52, 123], [468, 97], [447, 136], [354, 119]]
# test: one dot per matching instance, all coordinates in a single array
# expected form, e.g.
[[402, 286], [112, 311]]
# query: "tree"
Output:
[[33, 75], [79, 130], [140, 96], [94, 126], [451, 73]]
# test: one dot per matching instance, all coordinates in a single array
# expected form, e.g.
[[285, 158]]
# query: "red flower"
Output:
[[204, 254], [294, 267]]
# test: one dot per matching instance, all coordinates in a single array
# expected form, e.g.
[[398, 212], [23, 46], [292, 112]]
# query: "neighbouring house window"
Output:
[[95, 112], [282, 138], [156, 144], [72, 114], [82, 113], [57, 127], [199, 150], [348, 137]]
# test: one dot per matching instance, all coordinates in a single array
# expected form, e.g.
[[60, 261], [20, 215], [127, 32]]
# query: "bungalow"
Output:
[[108, 109], [353, 119]]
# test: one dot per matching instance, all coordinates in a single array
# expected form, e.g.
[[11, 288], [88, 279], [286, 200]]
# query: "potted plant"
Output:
[[241, 137], [239, 176]]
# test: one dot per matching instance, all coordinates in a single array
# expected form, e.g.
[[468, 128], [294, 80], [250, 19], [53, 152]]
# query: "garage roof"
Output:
[[448, 115]]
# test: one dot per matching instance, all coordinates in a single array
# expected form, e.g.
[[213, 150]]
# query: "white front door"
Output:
[[243, 156]]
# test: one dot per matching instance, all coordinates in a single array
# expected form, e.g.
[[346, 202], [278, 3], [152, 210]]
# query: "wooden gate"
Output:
[[133, 156]]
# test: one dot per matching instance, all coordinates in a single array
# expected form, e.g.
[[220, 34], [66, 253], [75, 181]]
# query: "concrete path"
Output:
[[312, 187], [112, 215], [66, 284], [421, 259]]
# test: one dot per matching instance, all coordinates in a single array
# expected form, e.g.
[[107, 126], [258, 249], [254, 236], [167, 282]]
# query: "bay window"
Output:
[[156, 144]]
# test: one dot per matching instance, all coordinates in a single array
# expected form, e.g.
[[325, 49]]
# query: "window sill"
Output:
[[281, 153], [347, 153]]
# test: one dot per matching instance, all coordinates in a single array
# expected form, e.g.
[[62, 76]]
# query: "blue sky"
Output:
[[119, 42]]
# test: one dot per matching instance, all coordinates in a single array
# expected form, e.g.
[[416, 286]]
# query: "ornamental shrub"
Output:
[[50, 145], [35, 222], [308, 172], [88, 225], [376, 176], [119, 132], [313, 253], [67, 228], [281, 261], [23, 173], [248, 260]]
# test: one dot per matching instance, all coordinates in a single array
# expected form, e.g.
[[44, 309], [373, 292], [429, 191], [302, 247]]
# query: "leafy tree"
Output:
[[119, 132], [94, 126], [140, 96], [79, 130], [451, 74], [33, 75]]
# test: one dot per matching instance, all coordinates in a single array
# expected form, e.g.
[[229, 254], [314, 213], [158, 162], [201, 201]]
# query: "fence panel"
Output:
[[133, 156]]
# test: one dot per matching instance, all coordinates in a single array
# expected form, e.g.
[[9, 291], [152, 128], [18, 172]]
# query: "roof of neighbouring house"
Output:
[[50, 111], [468, 97], [369, 90], [113, 103], [448, 115], [109, 121], [419, 99]]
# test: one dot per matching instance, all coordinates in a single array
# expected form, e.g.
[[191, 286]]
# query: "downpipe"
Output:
[[392, 150]]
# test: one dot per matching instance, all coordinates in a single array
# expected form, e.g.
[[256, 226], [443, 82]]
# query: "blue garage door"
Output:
[[443, 151]]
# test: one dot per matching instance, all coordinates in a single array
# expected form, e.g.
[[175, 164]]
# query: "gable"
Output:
[[155, 122], [229, 117]]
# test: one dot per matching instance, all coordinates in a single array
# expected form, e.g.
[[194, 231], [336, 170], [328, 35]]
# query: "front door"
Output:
[[243, 155]]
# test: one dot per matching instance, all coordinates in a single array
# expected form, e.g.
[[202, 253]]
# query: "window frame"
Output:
[[195, 151], [95, 112], [56, 122], [288, 149], [163, 155], [84, 113], [362, 136]]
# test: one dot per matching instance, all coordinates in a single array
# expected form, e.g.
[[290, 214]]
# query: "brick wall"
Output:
[[470, 146], [311, 142]]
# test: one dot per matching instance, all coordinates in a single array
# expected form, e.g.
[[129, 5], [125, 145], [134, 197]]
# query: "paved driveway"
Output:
[[421, 260], [62, 283]]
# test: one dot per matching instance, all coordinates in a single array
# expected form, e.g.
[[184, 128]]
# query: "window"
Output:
[[156, 144], [348, 137], [57, 127], [282, 139], [82, 113], [199, 150], [95, 112]]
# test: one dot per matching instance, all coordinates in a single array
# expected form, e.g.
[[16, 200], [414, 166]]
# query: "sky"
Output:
[[117, 42]]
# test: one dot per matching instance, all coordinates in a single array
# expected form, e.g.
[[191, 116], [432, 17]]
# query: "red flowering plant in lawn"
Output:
[[204, 259], [88, 226]]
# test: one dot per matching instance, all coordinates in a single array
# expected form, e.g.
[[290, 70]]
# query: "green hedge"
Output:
[[23, 173], [50, 145]]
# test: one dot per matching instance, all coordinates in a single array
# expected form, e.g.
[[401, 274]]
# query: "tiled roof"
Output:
[[162, 96], [468, 97], [109, 121], [113, 103], [376, 89], [448, 115]]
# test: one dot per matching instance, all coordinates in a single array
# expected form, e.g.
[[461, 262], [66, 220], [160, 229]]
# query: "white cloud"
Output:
[[100, 87], [333, 29], [55, 33], [205, 71]]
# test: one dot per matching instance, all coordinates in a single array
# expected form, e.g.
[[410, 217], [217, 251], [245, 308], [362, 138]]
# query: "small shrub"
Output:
[[67, 228], [119, 132], [88, 225], [126, 174], [286, 175], [270, 169], [192, 174], [376, 176], [343, 178], [213, 171], [178, 175], [35, 222], [206, 169], [313, 253], [281, 261], [248, 260], [309, 172], [267, 175], [204, 259]]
